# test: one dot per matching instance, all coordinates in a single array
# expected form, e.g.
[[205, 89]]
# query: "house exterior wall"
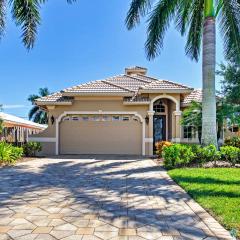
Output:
[[49, 137]]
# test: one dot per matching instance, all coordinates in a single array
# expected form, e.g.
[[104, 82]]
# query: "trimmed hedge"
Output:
[[183, 155]]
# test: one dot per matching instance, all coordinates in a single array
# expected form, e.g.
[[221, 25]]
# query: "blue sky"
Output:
[[81, 42]]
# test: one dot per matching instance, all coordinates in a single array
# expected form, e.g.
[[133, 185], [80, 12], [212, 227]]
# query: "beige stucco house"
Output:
[[124, 114]]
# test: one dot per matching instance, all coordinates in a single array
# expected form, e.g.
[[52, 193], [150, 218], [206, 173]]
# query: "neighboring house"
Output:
[[124, 114], [16, 130]]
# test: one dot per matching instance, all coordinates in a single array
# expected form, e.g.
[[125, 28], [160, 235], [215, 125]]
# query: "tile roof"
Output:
[[99, 86], [164, 85], [125, 85], [55, 97], [195, 95]]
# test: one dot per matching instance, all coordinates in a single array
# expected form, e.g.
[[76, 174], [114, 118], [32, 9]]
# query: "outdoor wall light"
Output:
[[52, 120], [147, 119]]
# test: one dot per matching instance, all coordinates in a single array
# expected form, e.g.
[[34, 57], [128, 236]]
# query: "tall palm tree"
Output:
[[26, 14], [197, 19], [37, 114]]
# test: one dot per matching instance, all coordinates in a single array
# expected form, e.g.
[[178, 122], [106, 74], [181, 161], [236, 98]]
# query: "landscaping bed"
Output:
[[10, 154], [216, 189]]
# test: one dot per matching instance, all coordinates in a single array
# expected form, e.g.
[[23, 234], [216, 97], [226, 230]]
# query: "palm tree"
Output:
[[37, 114], [192, 116], [197, 19], [26, 14]]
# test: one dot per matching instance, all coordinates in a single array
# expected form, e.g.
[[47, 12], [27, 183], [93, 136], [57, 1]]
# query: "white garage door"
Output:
[[100, 135]]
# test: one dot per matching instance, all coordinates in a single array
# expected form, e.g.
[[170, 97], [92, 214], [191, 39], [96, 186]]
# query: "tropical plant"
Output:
[[231, 154], [197, 19], [234, 142], [160, 146], [230, 84], [9, 154], [192, 116], [26, 14], [177, 155], [30, 149], [37, 114]]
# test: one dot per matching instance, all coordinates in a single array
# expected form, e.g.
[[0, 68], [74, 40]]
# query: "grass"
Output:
[[215, 189]]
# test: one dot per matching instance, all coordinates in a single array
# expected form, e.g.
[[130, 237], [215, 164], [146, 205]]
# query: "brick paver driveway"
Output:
[[88, 199]]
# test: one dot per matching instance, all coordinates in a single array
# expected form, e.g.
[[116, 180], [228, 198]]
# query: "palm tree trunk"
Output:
[[209, 129]]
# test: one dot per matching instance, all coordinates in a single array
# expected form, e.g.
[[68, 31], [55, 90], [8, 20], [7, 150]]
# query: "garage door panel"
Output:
[[93, 137]]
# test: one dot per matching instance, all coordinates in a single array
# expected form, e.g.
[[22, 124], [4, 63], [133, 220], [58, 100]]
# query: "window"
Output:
[[66, 119], [75, 118], [159, 107], [234, 129], [125, 118], [95, 118], [188, 132], [105, 118], [85, 118], [116, 118]]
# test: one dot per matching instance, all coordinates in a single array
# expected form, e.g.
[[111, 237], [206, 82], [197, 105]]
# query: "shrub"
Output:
[[177, 155], [9, 154], [209, 154], [160, 146], [234, 142], [30, 149], [230, 154]]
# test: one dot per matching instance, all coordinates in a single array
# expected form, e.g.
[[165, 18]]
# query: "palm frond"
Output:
[[26, 14], [2, 17], [40, 117], [71, 1], [44, 92], [194, 40], [158, 23], [183, 16], [32, 98], [230, 28], [32, 112], [138, 9]]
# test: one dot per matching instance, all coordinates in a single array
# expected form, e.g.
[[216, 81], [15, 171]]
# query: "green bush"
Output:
[[9, 154], [230, 154], [209, 154], [177, 155], [234, 142], [30, 149]]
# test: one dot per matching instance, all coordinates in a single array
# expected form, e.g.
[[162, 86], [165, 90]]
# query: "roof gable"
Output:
[[121, 85]]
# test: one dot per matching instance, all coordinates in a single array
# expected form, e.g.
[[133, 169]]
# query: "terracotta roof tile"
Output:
[[99, 86], [121, 84], [128, 82], [165, 84], [55, 97], [195, 95]]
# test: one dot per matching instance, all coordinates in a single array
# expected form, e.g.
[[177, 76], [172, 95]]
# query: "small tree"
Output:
[[230, 87], [36, 113], [192, 116]]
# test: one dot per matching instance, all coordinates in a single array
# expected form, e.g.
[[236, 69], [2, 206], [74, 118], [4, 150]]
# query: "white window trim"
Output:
[[59, 119]]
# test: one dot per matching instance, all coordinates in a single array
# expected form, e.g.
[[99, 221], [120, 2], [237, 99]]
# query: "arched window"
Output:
[[159, 107]]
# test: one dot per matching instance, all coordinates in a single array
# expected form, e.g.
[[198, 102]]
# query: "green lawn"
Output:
[[217, 190]]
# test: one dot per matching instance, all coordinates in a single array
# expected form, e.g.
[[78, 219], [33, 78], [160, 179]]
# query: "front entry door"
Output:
[[159, 128]]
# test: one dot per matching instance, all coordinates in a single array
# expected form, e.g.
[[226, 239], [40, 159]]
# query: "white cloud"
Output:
[[13, 106]]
